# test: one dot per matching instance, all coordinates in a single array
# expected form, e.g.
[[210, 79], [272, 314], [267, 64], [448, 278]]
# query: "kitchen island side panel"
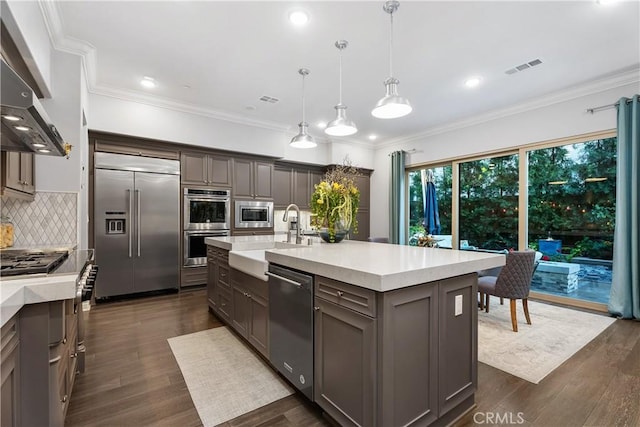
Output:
[[408, 379]]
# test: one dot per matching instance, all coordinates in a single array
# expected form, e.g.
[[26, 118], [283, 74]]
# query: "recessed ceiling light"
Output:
[[298, 17], [322, 125], [472, 81], [250, 107], [38, 145], [373, 137], [44, 150], [11, 117], [148, 82], [23, 128], [186, 87]]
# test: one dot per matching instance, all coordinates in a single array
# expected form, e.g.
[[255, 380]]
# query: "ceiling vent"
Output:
[[269, 99], [524, 66]]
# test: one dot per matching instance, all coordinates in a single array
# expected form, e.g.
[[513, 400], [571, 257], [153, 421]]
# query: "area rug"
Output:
[[532, 353], [225, 379]]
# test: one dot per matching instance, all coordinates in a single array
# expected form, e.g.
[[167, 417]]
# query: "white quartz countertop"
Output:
[[244, 243], [252, 262], [16, 292], [382, 267]]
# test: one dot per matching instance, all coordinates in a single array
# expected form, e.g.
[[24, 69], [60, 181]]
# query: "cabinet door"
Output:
[[258, 333], [362, 182], [458, 341], [242, 178], [363, 226], [301, 182], [10, 372], [282, 187], [194, 168], [263, 180], [212, 279], [27, 172], [11, 165], [240, 311], [224, 307], [345, 364], [219, 170]]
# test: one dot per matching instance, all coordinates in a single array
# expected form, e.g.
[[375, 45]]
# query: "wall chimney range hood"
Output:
[[25, 124]]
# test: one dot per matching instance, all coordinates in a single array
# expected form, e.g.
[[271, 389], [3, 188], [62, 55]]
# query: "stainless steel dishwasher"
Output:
[[291, 326]]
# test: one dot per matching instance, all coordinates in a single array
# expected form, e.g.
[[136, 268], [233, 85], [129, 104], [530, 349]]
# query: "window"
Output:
[[442, 182], [489, 203], [571, 218]]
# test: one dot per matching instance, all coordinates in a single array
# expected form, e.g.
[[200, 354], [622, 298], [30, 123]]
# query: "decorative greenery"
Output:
[[335, 201]]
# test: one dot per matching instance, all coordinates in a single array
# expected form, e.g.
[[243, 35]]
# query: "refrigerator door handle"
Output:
[[138, 220], [129, 196]]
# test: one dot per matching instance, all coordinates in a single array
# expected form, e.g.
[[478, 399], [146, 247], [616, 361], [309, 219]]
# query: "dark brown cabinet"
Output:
[[345, 364], [252, 179], [250, 316], [205, 169], [295, 184], [18, 174], [10, 371], [218, 283], [402, 357]]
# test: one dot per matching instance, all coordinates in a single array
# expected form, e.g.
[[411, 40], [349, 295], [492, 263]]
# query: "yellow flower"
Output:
[[336, 186], [320, 201]]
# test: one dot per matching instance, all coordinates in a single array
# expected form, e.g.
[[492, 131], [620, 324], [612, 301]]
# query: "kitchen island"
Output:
[[394, 329]]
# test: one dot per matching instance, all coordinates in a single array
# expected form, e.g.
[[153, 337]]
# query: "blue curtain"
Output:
[[624, 300], [396, 199]]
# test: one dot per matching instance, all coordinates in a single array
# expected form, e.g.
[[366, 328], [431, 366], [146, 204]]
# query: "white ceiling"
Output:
[[232, 53]]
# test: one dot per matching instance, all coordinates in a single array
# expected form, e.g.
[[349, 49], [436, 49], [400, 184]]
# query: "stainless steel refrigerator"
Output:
[[137, 224]]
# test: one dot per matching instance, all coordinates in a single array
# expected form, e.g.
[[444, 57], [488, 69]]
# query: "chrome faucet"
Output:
[[285, 218]]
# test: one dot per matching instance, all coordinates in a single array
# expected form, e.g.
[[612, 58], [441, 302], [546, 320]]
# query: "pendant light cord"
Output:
[[303, 76], [391, 47], [340, 85]]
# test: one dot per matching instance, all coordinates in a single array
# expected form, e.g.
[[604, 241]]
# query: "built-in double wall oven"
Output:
[[207, 213]]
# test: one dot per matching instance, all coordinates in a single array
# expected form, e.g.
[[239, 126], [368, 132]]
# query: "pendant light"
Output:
[[392, 105], [303, 139], [341, 126]]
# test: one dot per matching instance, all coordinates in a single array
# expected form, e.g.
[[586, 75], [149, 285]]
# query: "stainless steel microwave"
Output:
[[253, 214]]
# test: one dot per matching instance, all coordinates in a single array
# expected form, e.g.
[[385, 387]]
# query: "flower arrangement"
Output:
[[334, 202]]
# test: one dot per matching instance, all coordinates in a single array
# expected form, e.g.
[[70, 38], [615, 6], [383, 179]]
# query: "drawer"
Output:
[[224, 304], [211, 251], [357, 299], [223, 274], [10, 335]]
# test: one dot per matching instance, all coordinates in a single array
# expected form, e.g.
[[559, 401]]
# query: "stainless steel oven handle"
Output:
[[130, 221], [284, 279], [138, 220]]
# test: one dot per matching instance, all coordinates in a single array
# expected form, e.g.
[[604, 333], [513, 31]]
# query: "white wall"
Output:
[[26, 25], [110, 114], [64, 109], [564, 119]]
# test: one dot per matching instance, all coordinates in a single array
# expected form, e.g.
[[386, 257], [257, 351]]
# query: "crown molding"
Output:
[[156, 101], [628, 76]]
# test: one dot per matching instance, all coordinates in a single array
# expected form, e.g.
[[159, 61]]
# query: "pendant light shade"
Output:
[[341, 126], [392, 105], [303, 139]]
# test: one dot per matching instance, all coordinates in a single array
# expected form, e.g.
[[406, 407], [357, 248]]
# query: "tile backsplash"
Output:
[[280, 226], [50, 219]]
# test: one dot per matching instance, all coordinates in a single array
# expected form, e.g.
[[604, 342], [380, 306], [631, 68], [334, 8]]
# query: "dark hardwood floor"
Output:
[[132, 377]]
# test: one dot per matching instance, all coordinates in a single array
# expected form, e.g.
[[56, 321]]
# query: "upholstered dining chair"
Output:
[[513, 282]]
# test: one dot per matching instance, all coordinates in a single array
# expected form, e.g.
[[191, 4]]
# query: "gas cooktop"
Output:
[[14, 262]]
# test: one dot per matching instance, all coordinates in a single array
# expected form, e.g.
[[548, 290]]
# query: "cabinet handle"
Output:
[[64, 399], [248, 295], [316, 308], [64, 340], [73, 355], [340, 293]]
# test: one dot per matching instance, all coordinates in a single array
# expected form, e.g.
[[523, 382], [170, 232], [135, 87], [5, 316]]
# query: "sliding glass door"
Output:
[[567, 214]]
